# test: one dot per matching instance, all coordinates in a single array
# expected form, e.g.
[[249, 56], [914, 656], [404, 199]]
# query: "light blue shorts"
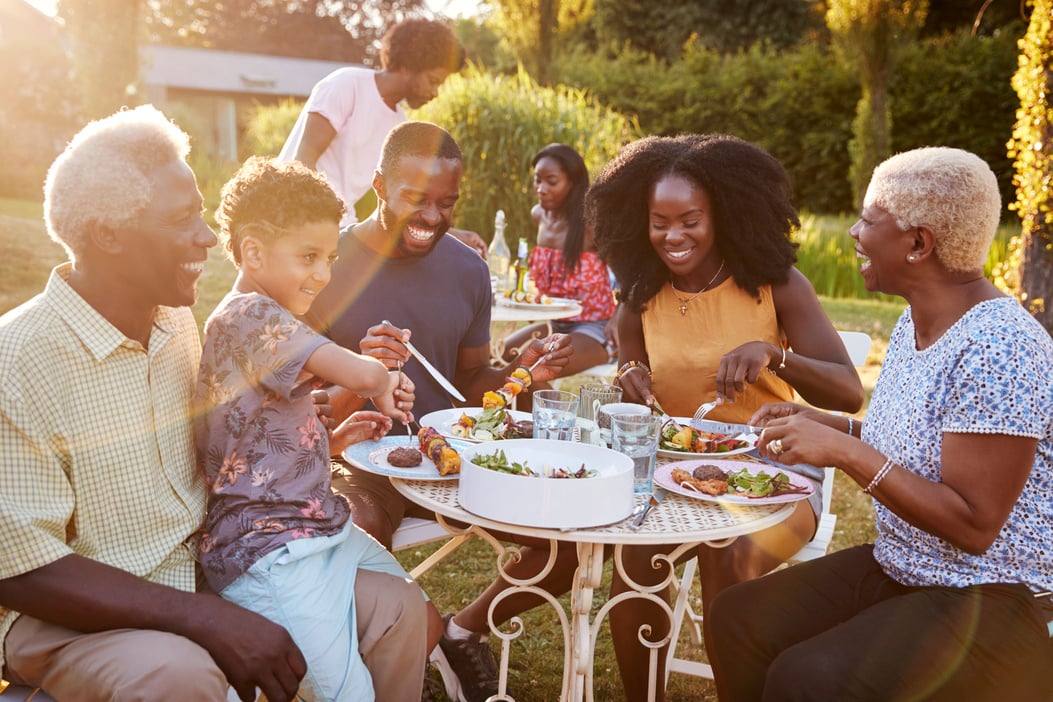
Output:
[[308, 587], [593, 330]]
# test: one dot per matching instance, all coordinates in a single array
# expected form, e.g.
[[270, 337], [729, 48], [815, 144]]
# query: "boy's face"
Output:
[[294, 268]]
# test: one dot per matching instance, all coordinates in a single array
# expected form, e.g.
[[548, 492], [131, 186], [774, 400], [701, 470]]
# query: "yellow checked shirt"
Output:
[[96, 451]]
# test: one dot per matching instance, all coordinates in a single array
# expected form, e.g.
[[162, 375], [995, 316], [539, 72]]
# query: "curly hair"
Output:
[[950, 190], [418, 45], [103, 177], [273, 197], [573, 166], [748, 191]]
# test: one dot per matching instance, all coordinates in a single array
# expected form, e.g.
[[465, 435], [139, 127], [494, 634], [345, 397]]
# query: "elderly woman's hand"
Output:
[[804, 437]]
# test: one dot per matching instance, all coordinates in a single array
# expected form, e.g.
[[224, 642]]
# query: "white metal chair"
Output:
[[858, 346]]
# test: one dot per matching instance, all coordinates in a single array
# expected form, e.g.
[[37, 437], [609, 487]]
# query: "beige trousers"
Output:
[[139, 664]]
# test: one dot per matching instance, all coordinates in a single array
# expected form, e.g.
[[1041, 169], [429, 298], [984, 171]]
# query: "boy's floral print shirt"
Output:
[[264, 452]]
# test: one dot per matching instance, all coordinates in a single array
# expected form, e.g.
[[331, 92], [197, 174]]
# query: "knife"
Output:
[[446, 384], [656, 498]]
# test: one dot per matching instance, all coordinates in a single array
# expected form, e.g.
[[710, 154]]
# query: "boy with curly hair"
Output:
[[276, 539]]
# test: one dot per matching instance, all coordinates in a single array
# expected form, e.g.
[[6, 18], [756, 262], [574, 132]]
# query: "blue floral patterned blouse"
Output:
[[264, 452], [988, 374]]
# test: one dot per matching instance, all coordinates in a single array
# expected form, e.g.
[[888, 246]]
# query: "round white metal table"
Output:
[[677, 520], [504, 319]]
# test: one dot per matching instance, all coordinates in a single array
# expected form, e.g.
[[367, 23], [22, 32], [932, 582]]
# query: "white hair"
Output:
[[952, 191], [103, 175]]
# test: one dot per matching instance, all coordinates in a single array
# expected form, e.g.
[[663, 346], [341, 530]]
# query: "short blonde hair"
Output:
[[950, 190], [103, 175]]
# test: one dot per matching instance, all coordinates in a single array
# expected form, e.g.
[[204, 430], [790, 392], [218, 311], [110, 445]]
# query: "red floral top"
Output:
[[589, 284]]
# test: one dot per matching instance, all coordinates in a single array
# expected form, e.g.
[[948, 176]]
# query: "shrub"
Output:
[[268, 126], [500, 122]]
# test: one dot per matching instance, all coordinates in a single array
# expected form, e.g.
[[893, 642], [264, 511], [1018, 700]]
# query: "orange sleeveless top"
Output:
[[684, 351]]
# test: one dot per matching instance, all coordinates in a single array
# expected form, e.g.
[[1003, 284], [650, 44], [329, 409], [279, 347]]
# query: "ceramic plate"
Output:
[[443, 420], [371, 456], [663, 477], [684, 455], [554, 303]]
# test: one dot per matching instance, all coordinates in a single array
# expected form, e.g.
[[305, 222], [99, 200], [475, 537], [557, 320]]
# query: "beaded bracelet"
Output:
[[879, 476], [628, 366]]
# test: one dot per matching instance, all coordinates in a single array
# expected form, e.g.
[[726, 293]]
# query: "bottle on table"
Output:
[[521, 269], [498, 255]]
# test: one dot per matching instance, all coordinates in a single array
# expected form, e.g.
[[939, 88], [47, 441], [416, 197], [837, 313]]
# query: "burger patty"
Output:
[[405, 457], [708, 472]]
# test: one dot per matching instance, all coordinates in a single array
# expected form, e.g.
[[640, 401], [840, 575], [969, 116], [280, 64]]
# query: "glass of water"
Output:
[[554, 414], [636, 435]]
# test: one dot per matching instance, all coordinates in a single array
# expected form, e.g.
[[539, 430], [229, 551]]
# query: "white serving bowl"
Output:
[[556, 503]]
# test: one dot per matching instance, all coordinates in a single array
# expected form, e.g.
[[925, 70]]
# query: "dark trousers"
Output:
[[837, 629]]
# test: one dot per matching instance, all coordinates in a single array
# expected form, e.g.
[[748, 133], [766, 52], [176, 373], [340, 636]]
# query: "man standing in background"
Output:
[[341, 128]]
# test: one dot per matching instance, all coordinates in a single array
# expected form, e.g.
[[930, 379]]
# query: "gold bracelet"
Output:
[[628, 366]]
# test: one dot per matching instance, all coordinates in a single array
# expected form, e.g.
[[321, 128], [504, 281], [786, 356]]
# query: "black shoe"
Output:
[[473, 662]]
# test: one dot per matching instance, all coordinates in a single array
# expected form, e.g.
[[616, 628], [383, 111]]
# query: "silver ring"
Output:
[[776, 447]]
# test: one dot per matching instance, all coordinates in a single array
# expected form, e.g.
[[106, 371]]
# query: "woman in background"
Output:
[[564, 262]]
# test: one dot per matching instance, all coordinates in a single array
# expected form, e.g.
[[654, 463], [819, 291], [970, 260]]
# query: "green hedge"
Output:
[[500, 122], [799, 103]]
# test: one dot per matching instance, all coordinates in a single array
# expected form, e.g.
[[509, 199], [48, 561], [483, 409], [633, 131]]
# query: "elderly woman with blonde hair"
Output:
[[952, 600]]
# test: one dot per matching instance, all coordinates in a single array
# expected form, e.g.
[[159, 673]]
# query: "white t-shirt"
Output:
[[348, 98]]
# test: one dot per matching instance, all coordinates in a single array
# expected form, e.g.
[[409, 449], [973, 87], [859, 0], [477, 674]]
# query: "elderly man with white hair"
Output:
[[951, 602], [100, 497]]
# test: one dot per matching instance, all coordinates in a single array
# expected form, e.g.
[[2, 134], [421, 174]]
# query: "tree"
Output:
[[104, 37], [870, 34], [1032, 150], [726, 26], [531, 27], [321, 29]]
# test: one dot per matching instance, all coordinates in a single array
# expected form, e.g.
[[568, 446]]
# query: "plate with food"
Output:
[[733, 482], [476, 424], [396, 457], [525, 301], [687, 441]]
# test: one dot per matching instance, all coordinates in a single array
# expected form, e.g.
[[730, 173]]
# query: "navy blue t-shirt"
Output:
[[443, 298]]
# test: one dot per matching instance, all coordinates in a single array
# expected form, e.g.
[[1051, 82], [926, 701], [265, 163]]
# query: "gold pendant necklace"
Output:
[[684, 301]]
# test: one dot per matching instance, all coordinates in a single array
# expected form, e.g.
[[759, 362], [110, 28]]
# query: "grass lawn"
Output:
[[536, 669]]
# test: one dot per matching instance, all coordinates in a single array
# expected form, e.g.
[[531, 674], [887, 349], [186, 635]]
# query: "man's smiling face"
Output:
[[416, 201]]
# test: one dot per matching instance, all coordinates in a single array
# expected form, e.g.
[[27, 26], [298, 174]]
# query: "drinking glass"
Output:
[[636, 436], [606, 412], [592, 397], [554, 414]]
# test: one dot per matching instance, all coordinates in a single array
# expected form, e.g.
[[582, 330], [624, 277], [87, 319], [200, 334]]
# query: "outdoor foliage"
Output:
[[104, 37], [268, 126], [799, 103], [871, 36], [500, 122], [345, 31], [1032, 149]]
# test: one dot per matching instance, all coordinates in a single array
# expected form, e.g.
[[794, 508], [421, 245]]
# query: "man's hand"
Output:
[[385, 342], [471, 240], [252, 651], [557, 352]]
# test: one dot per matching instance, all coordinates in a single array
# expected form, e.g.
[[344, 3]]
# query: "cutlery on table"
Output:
[[703, 409], [666, 419], [656, 499], [432, 371]]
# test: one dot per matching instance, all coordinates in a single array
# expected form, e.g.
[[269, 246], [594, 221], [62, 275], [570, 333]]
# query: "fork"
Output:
[[704, 409], [409, 430]]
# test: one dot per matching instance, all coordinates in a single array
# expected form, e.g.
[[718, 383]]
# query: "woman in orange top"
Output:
[[697, 231]]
